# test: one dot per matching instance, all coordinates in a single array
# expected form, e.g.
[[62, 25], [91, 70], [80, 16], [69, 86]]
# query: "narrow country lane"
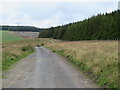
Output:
[[45, 69]]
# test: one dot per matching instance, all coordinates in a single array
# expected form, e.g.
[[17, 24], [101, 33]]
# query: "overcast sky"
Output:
[[47, 14]]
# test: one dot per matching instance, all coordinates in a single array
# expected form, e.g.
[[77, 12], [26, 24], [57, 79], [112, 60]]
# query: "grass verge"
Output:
[[14, 51], [99, 60], [9, 58], [99, 79]]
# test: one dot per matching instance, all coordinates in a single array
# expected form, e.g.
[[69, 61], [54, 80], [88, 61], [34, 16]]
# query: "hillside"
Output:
[[21, 28], [100, 27], [8, 36]]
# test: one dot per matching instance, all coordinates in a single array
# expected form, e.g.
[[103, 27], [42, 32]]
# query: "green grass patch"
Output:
[[7, 36]]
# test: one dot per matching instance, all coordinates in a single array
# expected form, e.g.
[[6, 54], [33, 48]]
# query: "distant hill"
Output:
[[100, 27], [21, 28]]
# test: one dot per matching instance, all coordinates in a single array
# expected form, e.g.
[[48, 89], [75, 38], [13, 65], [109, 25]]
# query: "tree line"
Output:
[[100, 27], [21, 28]]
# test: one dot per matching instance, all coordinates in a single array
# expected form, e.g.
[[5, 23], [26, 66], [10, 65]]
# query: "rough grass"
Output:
[[7, 36], [12, 56], [16, 50], [98, 59]]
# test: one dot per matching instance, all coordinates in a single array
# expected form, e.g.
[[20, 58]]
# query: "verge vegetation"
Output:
[[98, 59], [14, 51]]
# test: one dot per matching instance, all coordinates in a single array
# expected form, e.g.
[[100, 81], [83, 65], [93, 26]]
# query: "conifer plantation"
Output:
[[100, 27]]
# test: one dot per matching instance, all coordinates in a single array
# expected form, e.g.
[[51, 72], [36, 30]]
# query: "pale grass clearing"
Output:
[[100, 56]]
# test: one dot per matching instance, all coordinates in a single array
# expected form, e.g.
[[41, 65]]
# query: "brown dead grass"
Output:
[[100, 56]]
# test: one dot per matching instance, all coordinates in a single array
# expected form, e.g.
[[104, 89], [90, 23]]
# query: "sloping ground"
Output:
[[7, 36], [26, 34]]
